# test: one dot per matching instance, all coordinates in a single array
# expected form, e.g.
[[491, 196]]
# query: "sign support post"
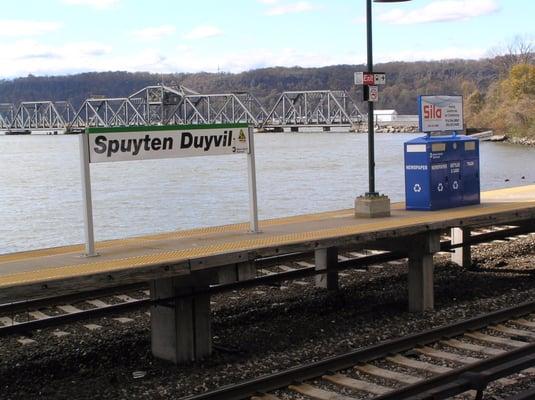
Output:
[[251, 172], [86, 196]]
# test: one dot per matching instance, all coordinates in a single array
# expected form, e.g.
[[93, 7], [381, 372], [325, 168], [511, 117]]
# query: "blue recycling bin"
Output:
[[441, 172]]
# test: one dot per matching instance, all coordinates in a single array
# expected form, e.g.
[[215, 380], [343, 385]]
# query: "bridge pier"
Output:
[[294, 129], [181, 328]]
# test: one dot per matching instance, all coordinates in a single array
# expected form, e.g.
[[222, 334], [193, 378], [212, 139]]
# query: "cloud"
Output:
[[156, 32], [20, 27], [96, 4], [23, 57], [203, 32], [289, 8], [442, 11]]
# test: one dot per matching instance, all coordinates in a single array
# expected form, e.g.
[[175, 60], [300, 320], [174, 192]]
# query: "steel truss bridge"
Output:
[[163, 105]]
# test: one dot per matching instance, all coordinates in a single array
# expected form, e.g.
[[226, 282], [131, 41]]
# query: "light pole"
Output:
[[364, 206]]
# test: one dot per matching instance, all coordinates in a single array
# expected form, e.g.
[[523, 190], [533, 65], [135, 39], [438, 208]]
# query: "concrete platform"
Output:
[[62, 270], [179, 266]]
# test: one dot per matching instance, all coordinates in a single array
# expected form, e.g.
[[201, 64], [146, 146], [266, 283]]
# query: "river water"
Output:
[[41, 201]]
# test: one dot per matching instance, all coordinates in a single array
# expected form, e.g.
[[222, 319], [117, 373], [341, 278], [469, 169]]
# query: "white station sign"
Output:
[[144, 143], [440, 113], [100, 145]]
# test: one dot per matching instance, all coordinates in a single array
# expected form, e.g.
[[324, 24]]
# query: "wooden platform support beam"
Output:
[[237, 272], [327, 260], [421, 268], [461, 256], [181, 329]]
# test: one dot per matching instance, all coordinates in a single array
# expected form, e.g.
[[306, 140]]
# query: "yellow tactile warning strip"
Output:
[[256, 242], [73, 249], [54, 251], [493, 194]]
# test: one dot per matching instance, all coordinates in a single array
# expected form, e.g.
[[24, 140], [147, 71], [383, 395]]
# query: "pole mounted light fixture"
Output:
[[363, 204]]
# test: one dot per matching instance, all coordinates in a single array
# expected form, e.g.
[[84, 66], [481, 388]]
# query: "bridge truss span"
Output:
[[313, 108], [7, 111], [164, 105]]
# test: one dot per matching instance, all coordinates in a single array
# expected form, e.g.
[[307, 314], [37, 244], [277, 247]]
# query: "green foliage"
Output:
[[509, 106]]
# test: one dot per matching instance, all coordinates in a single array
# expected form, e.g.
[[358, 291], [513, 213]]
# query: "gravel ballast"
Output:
[[261, 330]]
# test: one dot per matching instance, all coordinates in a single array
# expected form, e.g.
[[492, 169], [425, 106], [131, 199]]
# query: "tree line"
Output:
[[405, 81]]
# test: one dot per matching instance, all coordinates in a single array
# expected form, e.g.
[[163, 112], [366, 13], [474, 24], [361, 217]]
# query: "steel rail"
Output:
[[23, 306], [475, 376], [313, 370]]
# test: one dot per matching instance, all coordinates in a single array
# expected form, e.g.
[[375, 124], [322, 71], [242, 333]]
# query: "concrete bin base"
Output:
[[372, 206]]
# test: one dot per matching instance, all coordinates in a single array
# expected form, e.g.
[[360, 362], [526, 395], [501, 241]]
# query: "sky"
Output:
[[57, 37]]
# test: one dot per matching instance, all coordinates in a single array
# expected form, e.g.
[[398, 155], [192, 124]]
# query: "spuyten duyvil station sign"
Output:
[[170, 141], [100, 145]]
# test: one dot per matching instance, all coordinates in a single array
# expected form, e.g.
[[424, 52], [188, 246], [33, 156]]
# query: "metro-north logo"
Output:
[[432, 112]]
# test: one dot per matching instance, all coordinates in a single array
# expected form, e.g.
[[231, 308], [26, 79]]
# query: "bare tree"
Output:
[[520, 50]]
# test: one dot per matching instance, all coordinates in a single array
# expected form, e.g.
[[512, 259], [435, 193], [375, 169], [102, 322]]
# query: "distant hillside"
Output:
[[405, 81]]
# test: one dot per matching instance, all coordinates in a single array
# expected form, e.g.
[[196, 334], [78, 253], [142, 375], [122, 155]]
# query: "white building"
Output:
[[385, 115]]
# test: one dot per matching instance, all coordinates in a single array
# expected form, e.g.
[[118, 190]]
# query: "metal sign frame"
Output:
[[445, 99], [85, 168]]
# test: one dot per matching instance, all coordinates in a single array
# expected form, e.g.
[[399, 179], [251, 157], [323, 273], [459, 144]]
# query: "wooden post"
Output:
[[462, 255], [327, 260]]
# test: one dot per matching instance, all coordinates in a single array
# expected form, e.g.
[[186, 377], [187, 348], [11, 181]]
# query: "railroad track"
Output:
[[41, 313], [441, 363]]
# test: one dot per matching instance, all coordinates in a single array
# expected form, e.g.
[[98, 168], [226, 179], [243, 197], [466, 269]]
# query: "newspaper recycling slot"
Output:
[[441, 171]]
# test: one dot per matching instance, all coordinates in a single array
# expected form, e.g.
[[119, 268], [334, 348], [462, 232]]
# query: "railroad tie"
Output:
[[356, 384], [384, 373], [416, 364], [317, 393], [97, 303], [265, 272], [428, 351], [458, 344], [38, 315], [444, 355], [285, 268], [495, 339], [69, 309], [305, 264], [524, 322], [6, 321], [26, 341], [125, 298], [513, 331]]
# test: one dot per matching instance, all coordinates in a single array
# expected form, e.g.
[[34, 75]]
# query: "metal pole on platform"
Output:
[[251, 172], [371, 125], [86, 196]]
